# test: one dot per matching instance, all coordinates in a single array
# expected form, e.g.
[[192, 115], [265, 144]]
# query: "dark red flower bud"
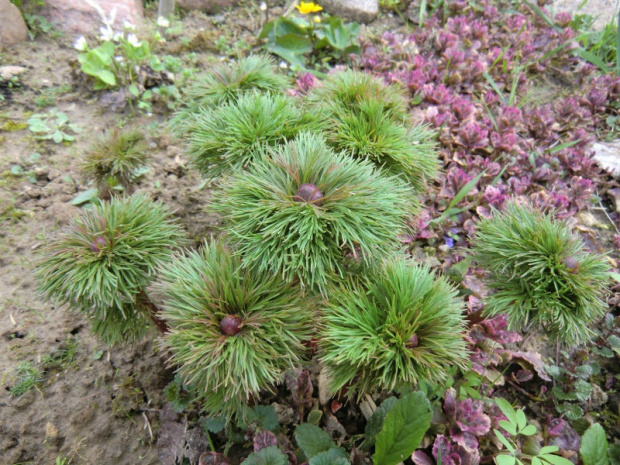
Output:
[[309, 193], [230, 325], [98, 243], [570, 263], [412, 342]]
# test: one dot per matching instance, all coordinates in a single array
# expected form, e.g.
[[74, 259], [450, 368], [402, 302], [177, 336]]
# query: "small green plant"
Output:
[[49, 95], [308, 214], [27, 168], [522, 445], [398, 326], [232, 135], [571, 387], [601, 46], [119, 61], [116, 160], [369, 120], [102, 264], [595, 450], [327, 40], [63, 358], [28, 377], [541, 273], [53, 126], [225, 83], [233, 331]]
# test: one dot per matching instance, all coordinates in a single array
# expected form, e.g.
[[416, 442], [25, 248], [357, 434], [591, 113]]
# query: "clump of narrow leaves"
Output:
[[231, 135], [349, 89], [233, 331], [306, 213], [368, 119], [398, 326], [115, 160], [226, 82], [103, 262], [541, 273]]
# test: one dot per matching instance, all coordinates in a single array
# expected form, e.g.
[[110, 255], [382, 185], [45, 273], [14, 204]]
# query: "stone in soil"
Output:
[[12, 26], [363, 11], [607, 155], [84, 17]]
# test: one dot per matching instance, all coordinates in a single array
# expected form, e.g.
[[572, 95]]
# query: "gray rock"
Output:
[[206, 6], [607, 155], [9, 72], [363, 11], [86, 16], [13, 28]]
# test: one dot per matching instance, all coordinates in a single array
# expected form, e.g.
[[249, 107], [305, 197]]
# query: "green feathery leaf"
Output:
[[202, 289], [225, 83], [115, 159], [232, 135], [369, 120], [358, 217], [398, 326], [541, 273], [104, 261]]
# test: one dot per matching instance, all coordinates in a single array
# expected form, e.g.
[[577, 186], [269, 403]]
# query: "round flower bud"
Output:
[[309, 193], [230, 325], [98, 243]]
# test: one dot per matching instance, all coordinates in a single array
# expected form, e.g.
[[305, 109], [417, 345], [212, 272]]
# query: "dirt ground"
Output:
[[91, 404]]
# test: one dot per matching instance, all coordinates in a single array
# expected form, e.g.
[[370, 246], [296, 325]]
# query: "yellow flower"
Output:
[[308, 7], [317, 19]]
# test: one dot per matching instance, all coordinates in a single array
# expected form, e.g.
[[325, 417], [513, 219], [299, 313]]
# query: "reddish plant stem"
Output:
[[153, 312]]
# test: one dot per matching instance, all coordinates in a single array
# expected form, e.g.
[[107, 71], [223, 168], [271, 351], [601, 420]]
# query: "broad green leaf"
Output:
[[85, 197], [614, 342], [57, 137], [17, 170], [508, 427], [403, 429], [313, 440], [521, 420], [266, 417], [314, 417], [333, 456], [214, 424], [133, 90], [268, 456], [507, 410], [504, 441], [505, 460], [536, 461], [106, 76], [375, 422], [529, 430], [548, 450], [594, 446], [555, 459]]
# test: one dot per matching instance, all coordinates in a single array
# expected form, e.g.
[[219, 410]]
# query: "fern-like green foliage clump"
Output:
[[233, 331], [304, 212], [102, 263], [231, 136], [541, 273], [225, 83], [369, 120], [115, 160], [348, 89], [399, 325]]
